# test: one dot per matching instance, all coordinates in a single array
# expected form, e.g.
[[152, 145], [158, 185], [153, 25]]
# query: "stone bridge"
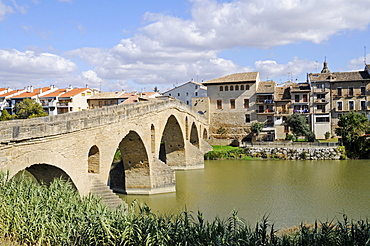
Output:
[[154, 139]]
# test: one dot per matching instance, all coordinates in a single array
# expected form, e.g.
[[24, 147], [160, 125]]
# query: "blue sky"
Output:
[[137, 45]]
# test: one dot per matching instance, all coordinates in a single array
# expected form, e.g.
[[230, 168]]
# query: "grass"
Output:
[[330, 140], [32, 214]]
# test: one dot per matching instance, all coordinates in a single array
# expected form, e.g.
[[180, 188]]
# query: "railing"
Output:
[[267, 111], [265, 101], [321, 101], [301, 111]]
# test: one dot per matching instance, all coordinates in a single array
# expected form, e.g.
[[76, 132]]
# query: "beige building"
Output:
[[265, 109], [232, 104], [283, 108], [337, 93]]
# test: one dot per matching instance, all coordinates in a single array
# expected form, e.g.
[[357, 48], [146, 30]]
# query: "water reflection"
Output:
[[289, 192]]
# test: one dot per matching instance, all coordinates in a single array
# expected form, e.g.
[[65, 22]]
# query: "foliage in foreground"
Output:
[[34, 214], [227, 152]]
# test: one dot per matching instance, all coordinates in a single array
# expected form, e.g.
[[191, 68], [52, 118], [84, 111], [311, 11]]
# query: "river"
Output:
[[288, 192]]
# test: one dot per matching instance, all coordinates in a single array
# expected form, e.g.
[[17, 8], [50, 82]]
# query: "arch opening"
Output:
[[93, 160], [194, 139], [172, 149], [130, 167], [44, 174], [205, 134]]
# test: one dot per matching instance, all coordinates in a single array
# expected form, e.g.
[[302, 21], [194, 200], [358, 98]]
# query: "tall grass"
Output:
[[33, 214]]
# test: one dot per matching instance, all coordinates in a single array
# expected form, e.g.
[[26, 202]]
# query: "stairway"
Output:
[[107, 195]]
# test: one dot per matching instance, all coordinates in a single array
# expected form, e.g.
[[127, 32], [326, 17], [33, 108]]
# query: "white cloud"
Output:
[[28, 66], [5, 10], [271, 69]]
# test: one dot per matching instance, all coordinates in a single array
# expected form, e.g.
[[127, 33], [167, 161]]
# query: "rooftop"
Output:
[[266, 87], [234, 78]]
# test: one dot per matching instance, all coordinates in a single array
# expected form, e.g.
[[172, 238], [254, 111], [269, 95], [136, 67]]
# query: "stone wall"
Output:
[[319, 153]]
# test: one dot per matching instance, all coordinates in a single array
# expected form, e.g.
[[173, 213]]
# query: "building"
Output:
[[105, 99], [73, 100], [265, 111], [337, 93], [230, 105], [187, 91]]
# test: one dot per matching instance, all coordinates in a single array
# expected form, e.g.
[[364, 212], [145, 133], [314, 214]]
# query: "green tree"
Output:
[[299, 127], [28, 108], [256, 127], [5, 115], [351, 127]]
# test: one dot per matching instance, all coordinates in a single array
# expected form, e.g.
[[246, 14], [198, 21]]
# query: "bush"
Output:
[[327, 135]]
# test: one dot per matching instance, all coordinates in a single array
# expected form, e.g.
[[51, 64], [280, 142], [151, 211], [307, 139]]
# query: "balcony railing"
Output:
[[265, 101], [301, 111], [63, 104], [267, 111], [321, 101]]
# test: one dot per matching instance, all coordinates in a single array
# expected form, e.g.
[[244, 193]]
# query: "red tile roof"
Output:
[[74, 92], [56, 93], [9, 93], [32, 94]]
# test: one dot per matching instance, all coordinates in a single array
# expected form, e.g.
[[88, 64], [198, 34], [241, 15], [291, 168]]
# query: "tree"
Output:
[[299, 127], [256, 127], [28, 108], [156, 89], [351, 127], [5, 115]]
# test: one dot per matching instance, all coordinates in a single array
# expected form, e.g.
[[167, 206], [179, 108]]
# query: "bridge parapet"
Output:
[[19, 130]]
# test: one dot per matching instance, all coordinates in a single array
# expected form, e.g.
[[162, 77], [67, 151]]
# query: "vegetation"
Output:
[[299, 127], [33, 214], [227, 152], [257, 127], [221, 131], [352, 127], [6, 116], [28, 108]]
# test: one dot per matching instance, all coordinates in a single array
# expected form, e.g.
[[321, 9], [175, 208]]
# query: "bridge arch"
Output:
[[194, 137], [93, 159], [46, 173], [134, 171], [172, 151]]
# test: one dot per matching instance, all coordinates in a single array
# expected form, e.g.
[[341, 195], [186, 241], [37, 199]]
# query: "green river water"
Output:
[[288, 192]]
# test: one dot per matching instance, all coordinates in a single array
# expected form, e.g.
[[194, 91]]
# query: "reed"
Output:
[[32, 214]]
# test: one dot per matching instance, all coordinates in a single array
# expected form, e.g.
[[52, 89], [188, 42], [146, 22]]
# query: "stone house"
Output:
[[187, 91], [283, 108], [230, 105], [265, 109]]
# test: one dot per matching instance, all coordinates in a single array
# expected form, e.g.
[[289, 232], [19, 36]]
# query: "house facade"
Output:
[[231, 104], [187, 91]]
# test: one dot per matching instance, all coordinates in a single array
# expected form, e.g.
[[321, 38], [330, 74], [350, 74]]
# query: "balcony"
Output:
[[301, 111], [265, 101], [266, 111], [64, 104], [321, 101], [349, 95], [361, 94]]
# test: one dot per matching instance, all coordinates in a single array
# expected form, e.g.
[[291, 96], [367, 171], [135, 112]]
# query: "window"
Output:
[[226, 88], [246, 87], [169, 94], [246, 103], [232, 103], [319, 86], [339, 91], [286, 129], [187, 93], [339, 106], [350, 91], [363, 90], [105, 102], [196, 94], [247, 118], [111, 102], [305, 98], [322, 119], [178, 94], [83, 94], [187, 102], [231, 88], [296, 98], [89, 93], [196, 87], [351, 105], [237, 87], [320, 96], [219, 104], [321, 107], [221, 88], [363, 105], [242, 87], [100, 103]]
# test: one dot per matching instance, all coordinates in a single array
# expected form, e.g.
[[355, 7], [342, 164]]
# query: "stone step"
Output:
[[106, 194]]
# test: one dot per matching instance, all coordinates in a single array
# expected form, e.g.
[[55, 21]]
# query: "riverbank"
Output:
[[281, 153], [38, 215]]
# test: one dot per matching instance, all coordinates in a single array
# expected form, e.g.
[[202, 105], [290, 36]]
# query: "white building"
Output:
[[187, 91]]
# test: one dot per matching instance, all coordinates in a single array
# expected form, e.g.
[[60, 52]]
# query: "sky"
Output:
[[115, 45]]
